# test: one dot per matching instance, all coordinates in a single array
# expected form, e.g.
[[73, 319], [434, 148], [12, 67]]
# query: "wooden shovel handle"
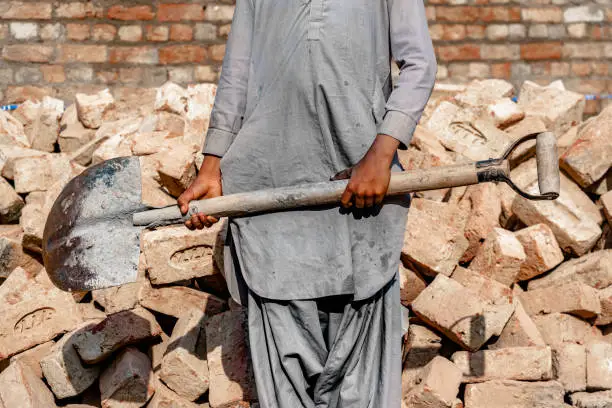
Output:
[[547, 158], [324, 193]]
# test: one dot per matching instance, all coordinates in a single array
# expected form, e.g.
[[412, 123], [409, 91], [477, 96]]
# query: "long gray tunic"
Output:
[[304, 90]]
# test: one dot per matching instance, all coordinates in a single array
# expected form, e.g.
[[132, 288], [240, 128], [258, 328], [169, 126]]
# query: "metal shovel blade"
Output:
[[89, 240]]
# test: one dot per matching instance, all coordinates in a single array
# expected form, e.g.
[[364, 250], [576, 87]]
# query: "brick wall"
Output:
[[60, 47], [540, 40]]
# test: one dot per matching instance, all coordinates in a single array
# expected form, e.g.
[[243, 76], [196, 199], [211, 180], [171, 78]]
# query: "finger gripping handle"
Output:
[[548, 164]]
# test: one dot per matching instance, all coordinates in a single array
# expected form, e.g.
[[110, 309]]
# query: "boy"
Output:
[[305, 93]]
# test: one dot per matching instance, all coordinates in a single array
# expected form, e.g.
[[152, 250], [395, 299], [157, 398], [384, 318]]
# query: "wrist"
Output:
[[384, 148], [210, 165]]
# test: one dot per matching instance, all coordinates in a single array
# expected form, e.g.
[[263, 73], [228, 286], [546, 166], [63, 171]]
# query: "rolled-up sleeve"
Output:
[[230, 101], [413, 51]]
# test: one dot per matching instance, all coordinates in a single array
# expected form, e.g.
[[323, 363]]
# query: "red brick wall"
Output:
[[60, 47]]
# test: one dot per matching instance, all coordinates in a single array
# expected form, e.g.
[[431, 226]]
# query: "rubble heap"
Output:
[[509, 300]]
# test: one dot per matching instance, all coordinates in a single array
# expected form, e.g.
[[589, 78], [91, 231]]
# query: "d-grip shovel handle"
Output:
[[547, 160], [330, 192]]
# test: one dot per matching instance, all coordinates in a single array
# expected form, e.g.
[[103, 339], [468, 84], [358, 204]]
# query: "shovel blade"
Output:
[[89, 240]]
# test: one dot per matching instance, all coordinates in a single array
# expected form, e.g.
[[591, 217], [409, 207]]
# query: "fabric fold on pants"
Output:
[[327, 352]]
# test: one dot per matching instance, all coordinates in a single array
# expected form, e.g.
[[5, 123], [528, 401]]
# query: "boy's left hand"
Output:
[[369, 179]]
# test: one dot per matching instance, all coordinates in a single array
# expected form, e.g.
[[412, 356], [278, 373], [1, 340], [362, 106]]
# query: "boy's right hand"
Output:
[[206, 185]]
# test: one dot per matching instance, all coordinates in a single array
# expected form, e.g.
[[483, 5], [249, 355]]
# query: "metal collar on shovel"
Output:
[[92, 236]]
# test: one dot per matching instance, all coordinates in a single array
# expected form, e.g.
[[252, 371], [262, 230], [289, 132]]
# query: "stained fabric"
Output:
[[304, 90], [327, 353]]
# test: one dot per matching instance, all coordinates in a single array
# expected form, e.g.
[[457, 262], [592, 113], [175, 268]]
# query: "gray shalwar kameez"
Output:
[[304, 90]]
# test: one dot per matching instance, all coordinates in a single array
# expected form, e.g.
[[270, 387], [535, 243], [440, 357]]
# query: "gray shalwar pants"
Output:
[[327, 352]]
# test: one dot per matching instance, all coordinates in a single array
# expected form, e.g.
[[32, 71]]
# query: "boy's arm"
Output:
[[226, 115], [414, 54], [412, 48], [230, 101]]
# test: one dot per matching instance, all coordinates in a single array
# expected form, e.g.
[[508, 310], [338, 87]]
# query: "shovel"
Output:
[[92, 235]]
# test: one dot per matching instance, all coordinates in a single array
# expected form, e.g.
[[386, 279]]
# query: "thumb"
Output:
[[184, 199], [343, 175]]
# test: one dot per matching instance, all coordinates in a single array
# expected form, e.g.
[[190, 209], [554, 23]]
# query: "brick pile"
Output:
[[509, 300]]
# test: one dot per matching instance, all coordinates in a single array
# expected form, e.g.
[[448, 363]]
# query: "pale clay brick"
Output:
[[21, 387], [64, 371], [74, 136], [505, 113], [171, 98], [601, 399], [438, 385], [114, 146], [166, 398], [125, 297], [170, 122], [500, 257], [569, 364], [527, 126], [489, 290], [575, 226], [588, 13], [10, 154], [12, 132], [451, 308], [128, 382], [469, 132], [560, 328], [421, 346], [485, 210], [594, 269], [32, 357], [177, 168], [231, 376], [514, 394], [605, 300], [176, 300], [434, 225], [34, 312], [176, 253], [119, 298], [590, 157], [574, 298], [520, 331], [152, 193], [157, 351], [599, 366], [89, 312], [479, 93], [425, 151], [41, 123], [199, 107], [541, 250], [39, 173], [92, 108], [601, 187], [606, 202], [184, 368], [149, 143], [116, 331], [517, 363], [10, 203], [559, 109], [24, 31], [457, 403], [411, 285], [567, 140]]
